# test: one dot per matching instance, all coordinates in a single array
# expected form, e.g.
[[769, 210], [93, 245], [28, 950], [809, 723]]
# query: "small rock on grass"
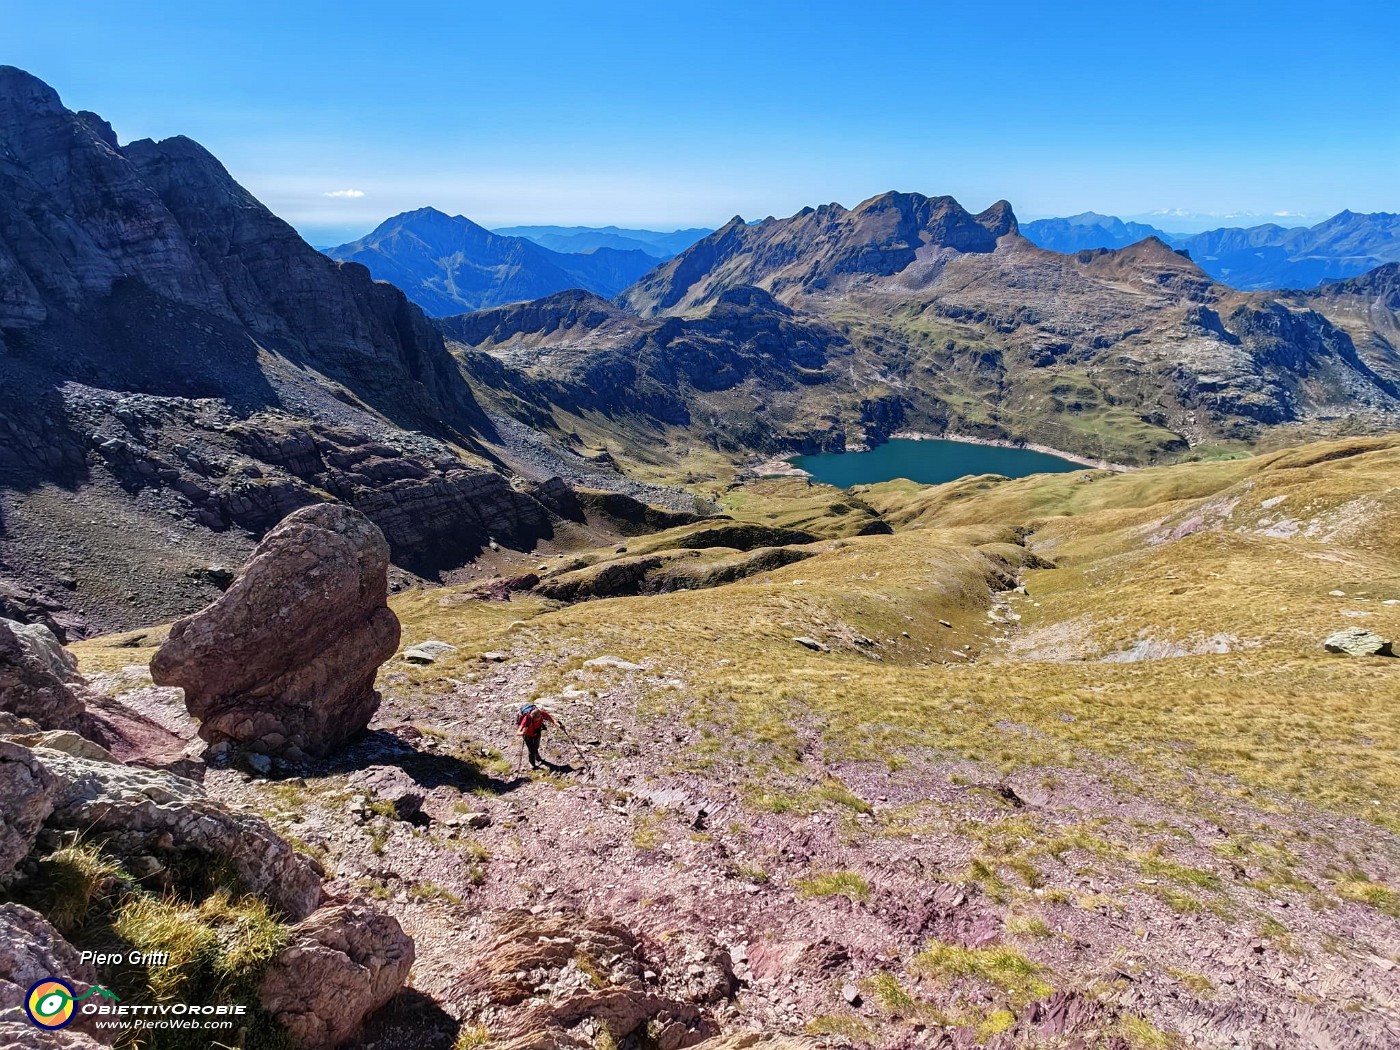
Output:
[[427, 652], [612, 661], [812, 643], [1357, 641]]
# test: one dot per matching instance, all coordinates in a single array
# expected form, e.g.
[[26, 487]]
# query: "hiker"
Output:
[[529, 726]]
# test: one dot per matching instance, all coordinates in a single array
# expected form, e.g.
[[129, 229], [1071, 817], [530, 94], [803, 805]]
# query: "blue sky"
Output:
[[677, 114]]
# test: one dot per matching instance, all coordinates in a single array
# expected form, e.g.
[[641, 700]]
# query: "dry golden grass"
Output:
[[1174, 556], [1274, 714]]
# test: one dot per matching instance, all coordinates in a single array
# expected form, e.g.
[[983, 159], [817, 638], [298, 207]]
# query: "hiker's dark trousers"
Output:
[[532, 745]]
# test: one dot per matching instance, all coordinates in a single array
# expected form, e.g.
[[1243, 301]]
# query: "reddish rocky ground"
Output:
[[868, 916]]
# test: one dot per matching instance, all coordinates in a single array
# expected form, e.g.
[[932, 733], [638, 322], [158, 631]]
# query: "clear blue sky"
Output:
[[668, 114]]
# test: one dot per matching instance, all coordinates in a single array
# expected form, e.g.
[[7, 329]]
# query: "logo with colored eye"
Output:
[[50, 1003]]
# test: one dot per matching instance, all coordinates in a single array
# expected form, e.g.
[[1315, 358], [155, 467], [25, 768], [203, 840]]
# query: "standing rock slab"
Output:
[[342, 964], [1357, 641], [26, 799], [148, 812], [283, 663]]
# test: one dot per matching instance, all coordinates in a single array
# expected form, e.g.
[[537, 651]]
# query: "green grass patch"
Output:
[[834, 883], [1000, 966]]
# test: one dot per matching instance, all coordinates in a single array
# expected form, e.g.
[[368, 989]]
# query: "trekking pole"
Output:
[[574, 745], [519, 757]]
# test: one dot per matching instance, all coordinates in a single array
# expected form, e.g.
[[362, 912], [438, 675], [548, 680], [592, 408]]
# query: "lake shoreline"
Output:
[[783, 467], [1083, 461]]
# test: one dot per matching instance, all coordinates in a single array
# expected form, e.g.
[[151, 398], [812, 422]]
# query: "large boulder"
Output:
[[151, 813], [283, 663], [340, 966], [38, 676], [26, 799]]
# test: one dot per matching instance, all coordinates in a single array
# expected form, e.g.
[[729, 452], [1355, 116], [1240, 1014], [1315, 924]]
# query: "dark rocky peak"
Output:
[[747, 297], [25, 99], [563, 311], [1381, 284], [75, 215], [149, 268], [999, 219]]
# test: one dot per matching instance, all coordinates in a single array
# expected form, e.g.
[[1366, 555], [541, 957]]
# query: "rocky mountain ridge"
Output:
[[929, 318], [179, 370], [660, 244], [817, 248], [1247, 258], [447, 263]]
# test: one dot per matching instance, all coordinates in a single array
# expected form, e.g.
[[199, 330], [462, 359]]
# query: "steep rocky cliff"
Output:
[[178, 370]]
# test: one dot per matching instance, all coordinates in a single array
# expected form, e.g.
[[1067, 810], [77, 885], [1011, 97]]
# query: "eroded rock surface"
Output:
[[342, 964], [31, 950], [1357, 641], [283, 663], [559, 981], [145, 812], [26, 798]]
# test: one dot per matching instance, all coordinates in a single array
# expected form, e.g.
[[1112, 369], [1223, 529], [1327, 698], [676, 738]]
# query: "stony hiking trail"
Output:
[[814, 910]]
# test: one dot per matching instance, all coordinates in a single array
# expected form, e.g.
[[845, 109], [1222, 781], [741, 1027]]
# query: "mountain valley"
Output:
[[289, 540]]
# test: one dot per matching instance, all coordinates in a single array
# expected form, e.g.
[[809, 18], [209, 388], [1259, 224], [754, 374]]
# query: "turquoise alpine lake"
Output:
[[928, 462]]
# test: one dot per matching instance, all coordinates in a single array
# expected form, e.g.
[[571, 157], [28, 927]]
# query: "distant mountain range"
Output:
[[588, 238], [447, 264], [841, 325], [1257, 257]]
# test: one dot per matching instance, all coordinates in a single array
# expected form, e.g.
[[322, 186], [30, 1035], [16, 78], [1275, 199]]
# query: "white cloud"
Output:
[[347, 194]]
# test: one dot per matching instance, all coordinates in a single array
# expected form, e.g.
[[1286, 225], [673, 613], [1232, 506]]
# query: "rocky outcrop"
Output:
[[341, 965], [548, 983], [148, 305], [284, 662], [150, 813], [36, 676], [26, 799], [818, 246], [21, 1035], [30, 951]]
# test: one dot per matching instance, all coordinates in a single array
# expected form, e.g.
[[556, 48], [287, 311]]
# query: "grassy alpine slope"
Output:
[[1062, 757]]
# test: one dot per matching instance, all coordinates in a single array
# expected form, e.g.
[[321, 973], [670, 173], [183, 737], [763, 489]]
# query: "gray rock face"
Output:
[[31, 950], [145, 812], [1357, 641], [36, 676], [342, 964], [26, 799], [283, 663], [21, 1035]]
